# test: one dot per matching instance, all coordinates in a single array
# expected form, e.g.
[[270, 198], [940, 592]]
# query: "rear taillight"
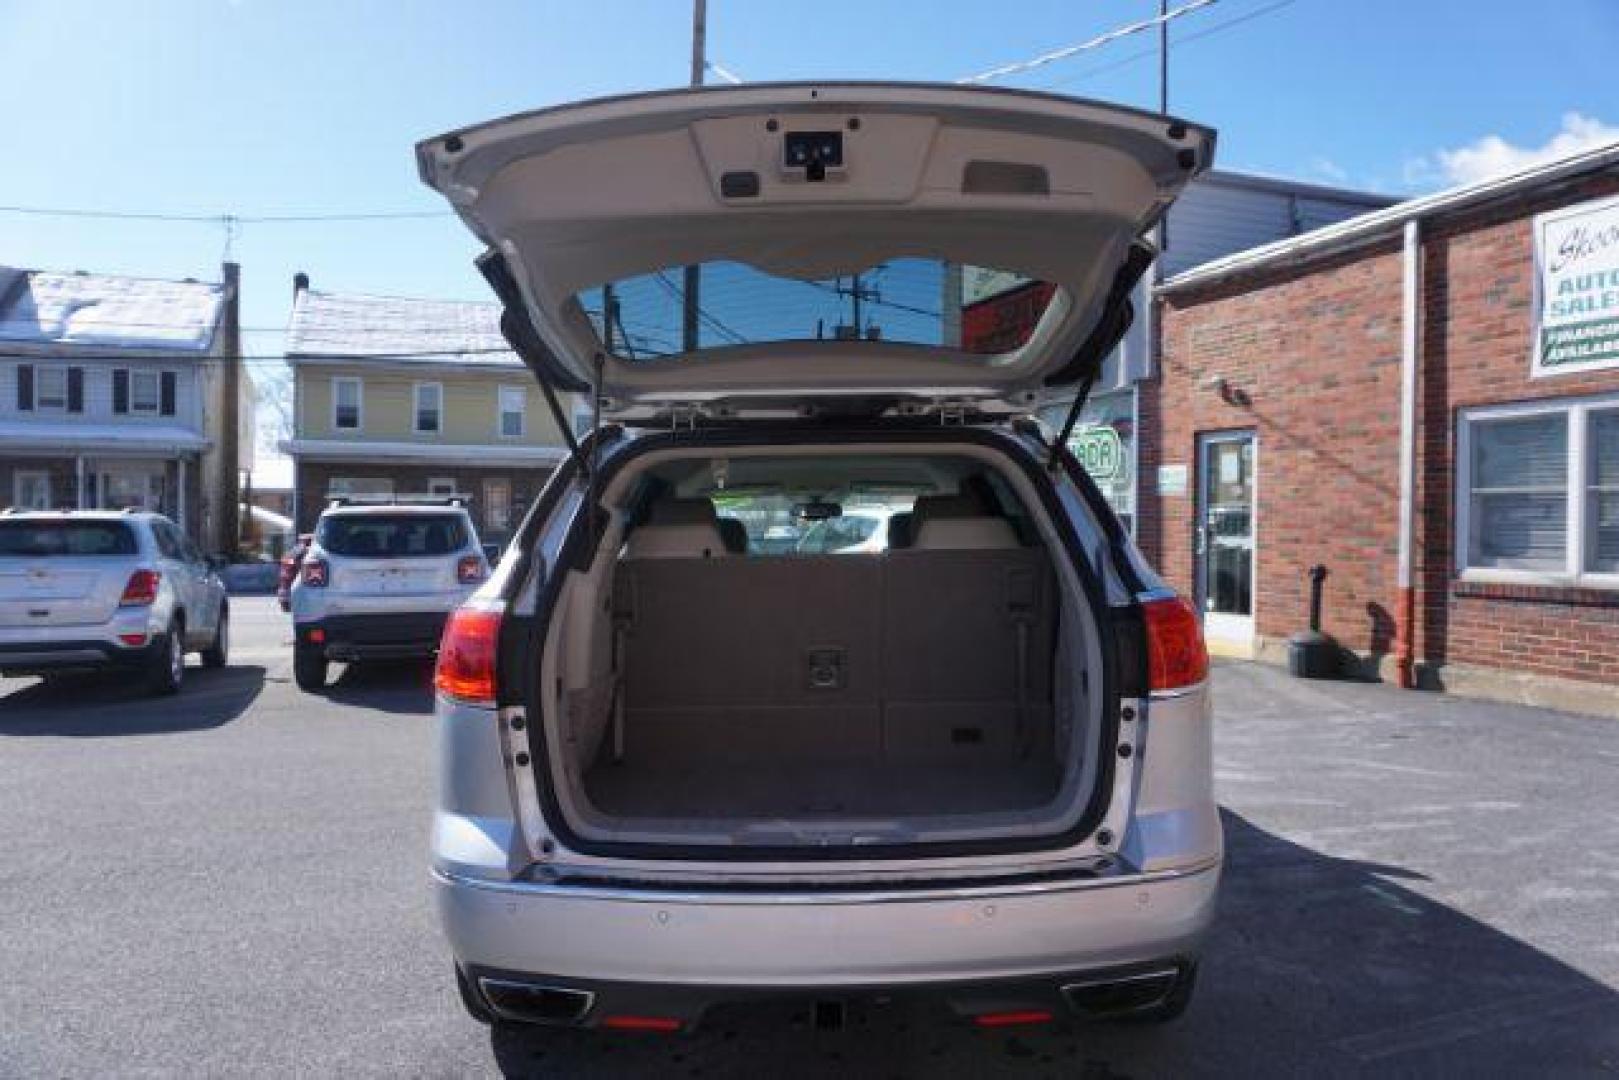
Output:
[[316, 573], [141, 590], [1176, 656], [466, 656], [469, 571]]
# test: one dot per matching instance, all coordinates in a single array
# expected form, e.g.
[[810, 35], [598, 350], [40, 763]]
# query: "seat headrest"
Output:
[[947, 506], [682, 512], [678, 529], [958, 522], [734, 534], [901, 529]]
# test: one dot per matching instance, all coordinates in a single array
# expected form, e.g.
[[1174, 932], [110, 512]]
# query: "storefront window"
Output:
[[1104, 442], [1602, 514], [1539, 492], [1520, 492]]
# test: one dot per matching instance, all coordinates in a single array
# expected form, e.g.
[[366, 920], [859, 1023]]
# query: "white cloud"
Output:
[[1494, 156], [1323, 168]]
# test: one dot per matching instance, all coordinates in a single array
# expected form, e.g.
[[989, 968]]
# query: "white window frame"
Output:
[[500, 411], [40, 371], [490, 483], [136, 374], [445, 482], [359, 402], [416, 408], [17, 479], [1576, 489]]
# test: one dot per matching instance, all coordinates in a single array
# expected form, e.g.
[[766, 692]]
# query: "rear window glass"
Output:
[[65, 538], [391, 535], [970, 309]]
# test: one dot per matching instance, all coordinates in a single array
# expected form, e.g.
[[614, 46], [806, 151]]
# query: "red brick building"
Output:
[[1318, 397]]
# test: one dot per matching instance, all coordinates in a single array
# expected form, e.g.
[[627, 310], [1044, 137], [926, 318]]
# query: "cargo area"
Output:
[[909, 667]]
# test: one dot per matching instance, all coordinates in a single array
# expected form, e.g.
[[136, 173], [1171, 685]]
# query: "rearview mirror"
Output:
[[816, 510]]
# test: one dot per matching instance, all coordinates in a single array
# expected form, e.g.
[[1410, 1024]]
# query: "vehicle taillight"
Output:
[[289, 566], [141, 590], [466, 656], [469, 571], [316, 573], [1176, 656]]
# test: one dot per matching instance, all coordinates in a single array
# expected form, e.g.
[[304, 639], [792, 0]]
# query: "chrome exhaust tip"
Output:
[[1123, 993], [530, 1003]]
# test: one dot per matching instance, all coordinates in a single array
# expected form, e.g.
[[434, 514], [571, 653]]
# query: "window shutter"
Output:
[[25, 387], [167, 406], [120, 391], [75, 389]]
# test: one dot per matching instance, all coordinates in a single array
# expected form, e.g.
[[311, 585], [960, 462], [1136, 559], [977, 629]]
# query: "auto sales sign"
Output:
[[1576, 289]]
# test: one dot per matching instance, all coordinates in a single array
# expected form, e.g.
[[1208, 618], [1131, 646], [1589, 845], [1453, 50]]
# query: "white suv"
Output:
[[103, 588], [682, 770], [378, 581]]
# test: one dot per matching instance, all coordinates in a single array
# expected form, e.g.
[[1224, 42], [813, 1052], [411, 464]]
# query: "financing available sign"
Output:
[[1576, 312]]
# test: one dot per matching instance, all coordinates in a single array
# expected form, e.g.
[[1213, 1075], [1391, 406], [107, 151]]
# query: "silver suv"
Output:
[[378, 580], [100, 588], [684, 764]]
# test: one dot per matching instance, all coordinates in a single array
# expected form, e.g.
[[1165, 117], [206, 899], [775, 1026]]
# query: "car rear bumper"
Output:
[[689, 951], [43, 657], [375, 636]]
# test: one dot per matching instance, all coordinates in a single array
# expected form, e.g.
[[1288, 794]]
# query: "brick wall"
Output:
[[1478, 293], [1311, 362]]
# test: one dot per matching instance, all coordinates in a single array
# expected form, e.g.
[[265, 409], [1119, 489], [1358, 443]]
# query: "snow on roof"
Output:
[[344, 325], [39, 307]]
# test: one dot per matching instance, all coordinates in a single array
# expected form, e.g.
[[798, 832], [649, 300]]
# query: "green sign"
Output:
[[1100, 450], [1576, 289]]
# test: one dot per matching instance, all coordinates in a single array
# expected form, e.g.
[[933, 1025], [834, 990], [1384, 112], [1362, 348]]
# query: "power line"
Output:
[[224, 219], [1085, 46], [1181, 42]]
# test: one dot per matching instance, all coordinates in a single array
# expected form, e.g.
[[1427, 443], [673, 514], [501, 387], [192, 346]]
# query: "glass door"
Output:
[[1223, 541]]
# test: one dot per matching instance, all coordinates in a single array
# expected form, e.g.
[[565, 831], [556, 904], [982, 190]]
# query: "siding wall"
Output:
[[471, 405], [98, 392]]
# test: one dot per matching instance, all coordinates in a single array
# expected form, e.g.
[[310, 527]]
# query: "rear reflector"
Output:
[[141, 591], [640, 1023], [1013, 1019], [466, 656], [317, 636], [1175, 653], [132, 639]]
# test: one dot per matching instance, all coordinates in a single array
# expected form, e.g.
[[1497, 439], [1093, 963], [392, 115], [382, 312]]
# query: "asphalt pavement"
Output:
[[234, 882]]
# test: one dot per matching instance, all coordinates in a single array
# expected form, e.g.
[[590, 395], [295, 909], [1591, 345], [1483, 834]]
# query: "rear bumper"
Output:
[[700, 949], [375, 636], [43, 657]]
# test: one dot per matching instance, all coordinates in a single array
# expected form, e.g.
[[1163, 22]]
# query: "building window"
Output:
[[31, 490], [359, 485], [144, 392], [513, 402], [497, 504], [429, 408], [1602, 492], [1538, 493], [441, 485], [50, 389], [346, 404]]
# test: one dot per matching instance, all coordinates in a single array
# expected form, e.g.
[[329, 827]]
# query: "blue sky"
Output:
[[291, 106]]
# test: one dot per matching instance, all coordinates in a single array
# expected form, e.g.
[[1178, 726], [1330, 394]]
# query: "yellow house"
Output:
[[397, 396]]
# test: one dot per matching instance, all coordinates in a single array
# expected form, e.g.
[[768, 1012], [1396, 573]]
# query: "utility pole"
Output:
[[1163, 57], [693, 284]]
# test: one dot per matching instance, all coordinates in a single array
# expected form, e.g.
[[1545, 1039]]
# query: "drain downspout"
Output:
[[1410, 343]]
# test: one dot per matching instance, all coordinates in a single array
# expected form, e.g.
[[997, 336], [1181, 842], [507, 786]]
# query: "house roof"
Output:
[[1379, 224], [345, 326], [46, 308]]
